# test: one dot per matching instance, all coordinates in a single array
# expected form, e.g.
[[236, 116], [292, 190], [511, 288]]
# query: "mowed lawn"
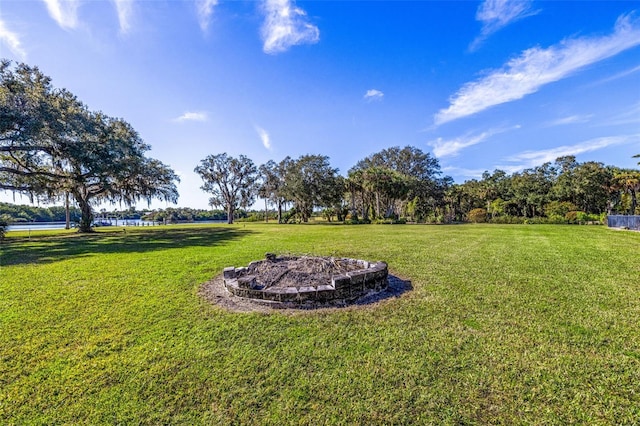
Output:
[[505, 324]]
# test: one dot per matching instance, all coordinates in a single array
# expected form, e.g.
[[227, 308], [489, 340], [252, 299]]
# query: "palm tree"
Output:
[[628, 181]]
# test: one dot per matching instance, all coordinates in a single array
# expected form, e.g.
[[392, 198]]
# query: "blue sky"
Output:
[[480, 84]]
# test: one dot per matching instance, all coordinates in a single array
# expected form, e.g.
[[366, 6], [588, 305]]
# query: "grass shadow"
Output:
[[52, 248], [396, 288]]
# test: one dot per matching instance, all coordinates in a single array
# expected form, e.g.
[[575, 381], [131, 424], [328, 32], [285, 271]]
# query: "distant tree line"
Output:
[[24, 213], [186, 214], [390, 184], [405, 184], [395, 184], [560, 191]]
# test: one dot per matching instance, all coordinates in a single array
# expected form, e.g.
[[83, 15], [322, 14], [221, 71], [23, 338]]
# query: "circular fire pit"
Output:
[[300, 279]]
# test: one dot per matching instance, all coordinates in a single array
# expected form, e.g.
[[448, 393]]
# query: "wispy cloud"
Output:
[[617, 76], [192, 116], [12, 41], [64, 12], [451, 147], [204, 8], [537, 67], [373, 95], [124, 8], [536, 158], [264, 137], [572, 119], [630, 115], [497, 14], [286, 25]]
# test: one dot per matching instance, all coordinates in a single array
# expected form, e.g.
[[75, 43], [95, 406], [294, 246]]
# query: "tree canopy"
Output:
[[397, 181], [231, 181], [310, 182], [52, 144], [272, 187]]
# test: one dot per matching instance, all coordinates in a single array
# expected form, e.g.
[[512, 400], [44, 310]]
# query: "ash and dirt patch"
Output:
[[215, 292], [300, 271]]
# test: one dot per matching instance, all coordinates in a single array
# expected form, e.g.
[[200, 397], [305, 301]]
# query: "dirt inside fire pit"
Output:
[[299, 272]]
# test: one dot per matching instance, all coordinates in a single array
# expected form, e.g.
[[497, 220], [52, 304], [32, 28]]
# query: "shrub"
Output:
[[559, 208], [390, 221], [357, 221], [557, 219], [477, 216], [435, 218], [591, 219], [572, 217], [582, 217], [5, 220], [509, 220]]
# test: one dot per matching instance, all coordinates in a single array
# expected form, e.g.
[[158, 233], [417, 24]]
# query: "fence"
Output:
[[624, 221]]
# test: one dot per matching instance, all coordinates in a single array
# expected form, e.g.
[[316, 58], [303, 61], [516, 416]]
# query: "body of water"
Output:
[[34, 226], [26, 226]]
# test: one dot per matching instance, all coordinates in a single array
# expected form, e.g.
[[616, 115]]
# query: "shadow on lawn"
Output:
[[52, 248]]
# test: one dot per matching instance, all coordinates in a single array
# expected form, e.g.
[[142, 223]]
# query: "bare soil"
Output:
[[300, 271]]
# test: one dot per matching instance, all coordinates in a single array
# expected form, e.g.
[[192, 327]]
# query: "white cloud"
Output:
[[537, 67], [451, 147], [572, 119], [64, 12], [125, 12], [192, 116], [204, 9], [536, 158], [12, 41], [497, 14], [286, 25], [264, 137], [373, 95]]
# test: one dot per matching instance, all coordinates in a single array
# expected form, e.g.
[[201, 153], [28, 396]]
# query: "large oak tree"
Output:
[[51, 145], [395, 176], [311, 182], [231, 181]]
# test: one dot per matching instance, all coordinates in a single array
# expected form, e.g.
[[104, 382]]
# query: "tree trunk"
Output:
[[66, 213], [266, 212], [279, 211], [229, 214], [354, 212], [86, 218], [365, 208]]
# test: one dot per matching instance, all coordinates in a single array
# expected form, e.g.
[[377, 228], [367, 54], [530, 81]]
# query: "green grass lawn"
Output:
[[504, 324]]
